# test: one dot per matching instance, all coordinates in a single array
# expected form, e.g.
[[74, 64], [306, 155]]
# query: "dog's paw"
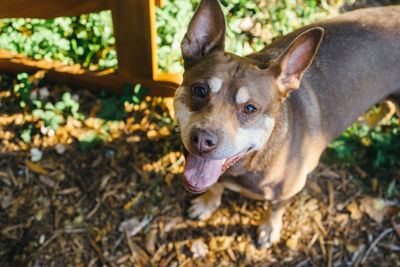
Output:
[[199, 209], [203, 206], [268, 234]]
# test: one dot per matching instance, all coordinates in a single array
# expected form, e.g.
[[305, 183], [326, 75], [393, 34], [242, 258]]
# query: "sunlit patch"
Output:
[[173, 161]]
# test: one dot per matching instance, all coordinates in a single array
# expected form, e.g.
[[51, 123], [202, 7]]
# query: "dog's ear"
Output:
[[294, 61], [206, 31]]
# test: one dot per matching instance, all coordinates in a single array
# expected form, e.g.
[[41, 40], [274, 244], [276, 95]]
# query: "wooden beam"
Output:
[[83, 78], [48, 9], [135, 34]]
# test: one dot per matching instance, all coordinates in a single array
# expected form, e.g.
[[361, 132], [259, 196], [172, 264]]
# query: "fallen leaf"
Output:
[[169, 103], [36, 168], [374, 207], [36, 154], [168, 178], [355, 213], [151, 239], [133, 225], [220, 243], [133, 201], [199, 249], [60, 148], [351, 248], [292, 242], [47, 181]]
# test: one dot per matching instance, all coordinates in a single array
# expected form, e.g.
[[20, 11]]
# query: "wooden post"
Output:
[[135, 32], [135, 37]]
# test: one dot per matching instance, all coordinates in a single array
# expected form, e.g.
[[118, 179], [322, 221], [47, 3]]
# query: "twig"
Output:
[[94, 210], [130, 244], [97, 250], [396, 226], [373, 245], [340, 206], [329, 258]]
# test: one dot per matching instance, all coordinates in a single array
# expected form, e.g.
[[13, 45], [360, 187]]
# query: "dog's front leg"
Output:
[[204, 205], [269, 231]]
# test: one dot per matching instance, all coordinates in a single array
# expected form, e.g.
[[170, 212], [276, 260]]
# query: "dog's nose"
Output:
[[203, 141]]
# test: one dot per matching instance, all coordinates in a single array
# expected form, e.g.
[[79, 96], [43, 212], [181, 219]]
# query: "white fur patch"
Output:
[[179, 91], [215, 84], [242, 95], [254, 137], [204, 205], [182, 114]]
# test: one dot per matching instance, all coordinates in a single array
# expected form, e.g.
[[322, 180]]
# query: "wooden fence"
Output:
[[135, 34]]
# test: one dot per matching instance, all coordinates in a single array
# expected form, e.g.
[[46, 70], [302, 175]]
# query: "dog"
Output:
[[258, 124]]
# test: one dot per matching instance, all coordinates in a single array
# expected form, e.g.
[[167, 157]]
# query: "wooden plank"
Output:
[[159, 3], [48, 9], [82, 78], [135, 34]]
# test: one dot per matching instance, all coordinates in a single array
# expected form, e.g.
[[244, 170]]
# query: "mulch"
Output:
[[122, 202]]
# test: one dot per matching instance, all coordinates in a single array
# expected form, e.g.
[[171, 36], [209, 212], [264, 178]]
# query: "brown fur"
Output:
[[357, 66]]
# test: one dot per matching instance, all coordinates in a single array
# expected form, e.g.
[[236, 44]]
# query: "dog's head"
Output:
[[227, 105]]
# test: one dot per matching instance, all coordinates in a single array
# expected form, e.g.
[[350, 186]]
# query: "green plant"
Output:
[[113, 107], [87, 39], [269, 20], [90, 140], [373, 149], [22, 89], [54, 114]]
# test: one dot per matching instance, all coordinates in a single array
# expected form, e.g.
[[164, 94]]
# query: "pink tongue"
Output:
[[201, 173]]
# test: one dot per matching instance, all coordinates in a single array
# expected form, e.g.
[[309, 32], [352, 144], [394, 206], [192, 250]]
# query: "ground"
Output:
[[118, 199]]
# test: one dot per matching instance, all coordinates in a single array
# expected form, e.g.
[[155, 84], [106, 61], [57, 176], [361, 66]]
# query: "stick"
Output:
[[375, 242]]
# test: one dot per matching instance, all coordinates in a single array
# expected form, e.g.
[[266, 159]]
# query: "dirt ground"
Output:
[[121, 201]]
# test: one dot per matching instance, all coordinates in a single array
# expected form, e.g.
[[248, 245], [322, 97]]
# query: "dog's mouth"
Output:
[[201, 173]]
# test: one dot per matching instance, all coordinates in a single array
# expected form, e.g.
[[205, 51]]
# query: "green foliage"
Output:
[[90, 140], [49, 116], [113, 107], [87, 39], [53, 115], [374, 149], [26, 135], [269, 20], [22, 88]]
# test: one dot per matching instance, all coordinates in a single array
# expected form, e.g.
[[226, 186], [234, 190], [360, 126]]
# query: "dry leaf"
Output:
[[151, 239], [168, 178], [374, 207], [36, 154], [36, 168], [220, 243], [292, 242], [133, 226], [133, 201], [199, 249], [169, 102], [355, 213], [351, 248]]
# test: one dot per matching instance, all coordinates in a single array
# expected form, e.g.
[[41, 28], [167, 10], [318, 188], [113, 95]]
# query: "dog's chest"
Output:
[[249, 182]]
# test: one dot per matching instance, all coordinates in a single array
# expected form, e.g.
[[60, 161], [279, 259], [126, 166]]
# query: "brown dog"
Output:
[[258, 124]]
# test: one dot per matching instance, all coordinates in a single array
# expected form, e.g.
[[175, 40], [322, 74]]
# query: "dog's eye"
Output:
[[249, 109], [199, 91]]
